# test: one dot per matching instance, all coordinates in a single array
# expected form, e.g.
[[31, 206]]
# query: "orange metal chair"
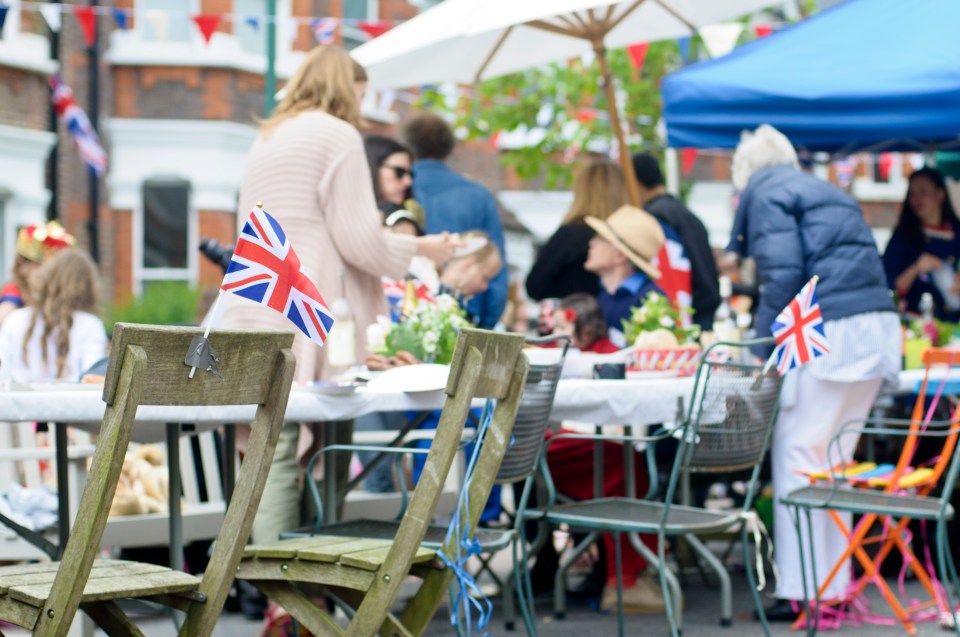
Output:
[[889, 497]]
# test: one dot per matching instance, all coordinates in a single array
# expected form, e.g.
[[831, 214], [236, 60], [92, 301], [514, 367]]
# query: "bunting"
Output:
[[51, 14], [120, 17], [638, 55], [207, 23], [719, 39], [325, 30], [77, 123], [3, 17], [87, 22], [762, 30]]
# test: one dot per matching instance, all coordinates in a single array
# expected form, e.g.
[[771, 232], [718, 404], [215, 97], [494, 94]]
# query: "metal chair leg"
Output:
[[948, 571], [723, 577], [669, 584], [560, 579], [621, 629], [523, 587]]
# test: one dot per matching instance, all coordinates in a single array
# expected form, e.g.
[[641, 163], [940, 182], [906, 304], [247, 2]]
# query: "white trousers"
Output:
[[814, 413]]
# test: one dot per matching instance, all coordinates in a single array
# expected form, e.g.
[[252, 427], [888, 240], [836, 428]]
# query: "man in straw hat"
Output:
[[622, 256]]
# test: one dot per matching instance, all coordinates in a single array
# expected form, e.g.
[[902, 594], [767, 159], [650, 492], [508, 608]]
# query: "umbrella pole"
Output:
[[633, 191]]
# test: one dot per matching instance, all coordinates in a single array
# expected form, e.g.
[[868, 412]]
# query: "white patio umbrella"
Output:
[[466, 41]]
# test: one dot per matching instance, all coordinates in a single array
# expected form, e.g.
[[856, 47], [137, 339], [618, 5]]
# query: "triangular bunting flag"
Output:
[[688, 157], [88, 23], [159, 23], [120, 17], [638, 54], [374, 28], [252, 21], [762, 30], [3, 17], [325, 30], [51, 13], [684, 45], [720, 39], [207, 23]]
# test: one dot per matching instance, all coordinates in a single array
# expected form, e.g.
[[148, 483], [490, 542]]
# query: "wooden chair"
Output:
[[147, 367], [367, 573]]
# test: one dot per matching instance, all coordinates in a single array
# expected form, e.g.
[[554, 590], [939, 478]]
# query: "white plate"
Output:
[[654, 373], [412, 378], [332, 388]]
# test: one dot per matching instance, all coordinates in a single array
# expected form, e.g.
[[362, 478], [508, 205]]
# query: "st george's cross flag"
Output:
[[798, 330], [266, 270]]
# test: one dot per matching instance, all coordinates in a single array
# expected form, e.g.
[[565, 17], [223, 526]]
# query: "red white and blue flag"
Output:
[[676, 276], [265, 269], [76, 121], [798, 330], [325, 30]]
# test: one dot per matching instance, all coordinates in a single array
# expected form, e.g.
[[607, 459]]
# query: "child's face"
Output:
[[561, 325], [477, 275]]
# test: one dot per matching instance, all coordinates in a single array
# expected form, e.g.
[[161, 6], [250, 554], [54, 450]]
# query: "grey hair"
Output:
[[763, 148]]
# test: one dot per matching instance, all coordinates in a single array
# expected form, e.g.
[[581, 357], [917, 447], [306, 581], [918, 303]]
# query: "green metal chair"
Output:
[[726, 429]]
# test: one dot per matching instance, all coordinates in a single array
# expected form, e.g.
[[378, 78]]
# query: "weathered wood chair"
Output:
[[147, 368], [367, 573]]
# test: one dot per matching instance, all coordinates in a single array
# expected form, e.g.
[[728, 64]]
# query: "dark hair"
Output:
[[589, 325], [909, 225], [429, 135], [394, 215], [647, 169], [378, 149]]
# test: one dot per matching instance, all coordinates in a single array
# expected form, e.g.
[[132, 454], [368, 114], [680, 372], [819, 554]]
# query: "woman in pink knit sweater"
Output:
[[309, 168]]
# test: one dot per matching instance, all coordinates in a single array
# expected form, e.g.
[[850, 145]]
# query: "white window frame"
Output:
[[141, 273], [28, 51]]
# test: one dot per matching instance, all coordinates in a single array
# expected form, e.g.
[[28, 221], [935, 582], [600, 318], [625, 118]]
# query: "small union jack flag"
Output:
[[798, 330], [91, 152], [265, 269], [325, 30]]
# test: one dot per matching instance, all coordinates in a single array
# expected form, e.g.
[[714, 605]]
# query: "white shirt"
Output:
[[88, 344]]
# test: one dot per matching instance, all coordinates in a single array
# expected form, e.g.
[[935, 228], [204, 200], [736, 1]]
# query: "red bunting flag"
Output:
[[688, 157], [207, 23], [586, 115], [884, 163], [88, 23], [374, 28], [762, 30], [638, 54]]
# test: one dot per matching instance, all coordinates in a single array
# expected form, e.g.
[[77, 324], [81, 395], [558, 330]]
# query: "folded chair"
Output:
[[726, 429], [365, 569], [889, 497], [147, 368]]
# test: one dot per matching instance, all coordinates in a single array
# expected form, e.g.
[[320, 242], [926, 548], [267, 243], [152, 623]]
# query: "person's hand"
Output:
[[379, 363], [438, 247], [928, 263]]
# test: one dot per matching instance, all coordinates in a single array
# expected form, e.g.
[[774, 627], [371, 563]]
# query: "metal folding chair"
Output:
[[889, 498], [726, 429]]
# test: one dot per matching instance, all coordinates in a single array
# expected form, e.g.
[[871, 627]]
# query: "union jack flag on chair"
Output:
[[798, 330], [265, 269]]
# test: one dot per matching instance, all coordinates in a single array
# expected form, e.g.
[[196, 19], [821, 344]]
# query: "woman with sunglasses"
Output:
[[390, 170]]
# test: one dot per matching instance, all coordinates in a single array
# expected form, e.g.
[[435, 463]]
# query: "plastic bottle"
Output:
[[341, 342], [929, 325], [725, 318]]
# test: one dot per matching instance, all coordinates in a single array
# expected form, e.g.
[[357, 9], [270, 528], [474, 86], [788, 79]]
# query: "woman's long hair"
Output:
[[378, 148], [324, 82], [598, 190], [67, 284], [909, 225]]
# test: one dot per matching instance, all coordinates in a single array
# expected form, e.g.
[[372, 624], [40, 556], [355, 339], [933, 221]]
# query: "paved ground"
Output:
[[701, 620]]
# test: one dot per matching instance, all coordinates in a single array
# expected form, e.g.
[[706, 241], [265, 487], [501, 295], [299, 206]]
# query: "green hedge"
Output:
[[162, 303]]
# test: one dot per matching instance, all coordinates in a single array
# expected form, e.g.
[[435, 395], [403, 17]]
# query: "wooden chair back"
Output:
[[485, 365], [147, 368]]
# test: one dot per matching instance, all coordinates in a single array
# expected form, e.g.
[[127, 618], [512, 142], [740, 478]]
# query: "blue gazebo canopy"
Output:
[[863, 74]]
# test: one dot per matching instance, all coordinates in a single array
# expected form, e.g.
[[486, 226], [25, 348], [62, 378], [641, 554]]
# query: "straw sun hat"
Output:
[[635, 233]]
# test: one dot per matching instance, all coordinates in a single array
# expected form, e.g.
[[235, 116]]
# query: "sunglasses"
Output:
[[399, 171]]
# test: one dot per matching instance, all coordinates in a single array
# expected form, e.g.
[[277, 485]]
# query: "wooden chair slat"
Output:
[[372, 559], [107, 569], [119, 586], [334, 551]]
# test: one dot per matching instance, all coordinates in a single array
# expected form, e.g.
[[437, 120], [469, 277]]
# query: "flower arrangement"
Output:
[[429, 333], [657, 314]]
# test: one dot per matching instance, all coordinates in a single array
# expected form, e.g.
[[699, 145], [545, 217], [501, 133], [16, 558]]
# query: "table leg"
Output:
[[63, 487], [176, 517]]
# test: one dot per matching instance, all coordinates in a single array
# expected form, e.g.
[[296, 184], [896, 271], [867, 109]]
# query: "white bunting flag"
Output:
[[51, 13], [721, 38]]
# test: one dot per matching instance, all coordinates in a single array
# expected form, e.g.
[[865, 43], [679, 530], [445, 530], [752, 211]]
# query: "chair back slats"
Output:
[[733, 415], [252, 351], [499, 353], [533, 417]]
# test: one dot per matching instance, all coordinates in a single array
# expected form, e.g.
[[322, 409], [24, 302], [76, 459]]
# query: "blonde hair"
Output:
[[486, 255], [324, 82], [67, 284], [598, 190], [764, 148]]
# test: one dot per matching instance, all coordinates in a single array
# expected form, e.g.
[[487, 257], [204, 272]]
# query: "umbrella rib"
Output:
[[553, 28], [676, 15], [496, 47], [627, 12]]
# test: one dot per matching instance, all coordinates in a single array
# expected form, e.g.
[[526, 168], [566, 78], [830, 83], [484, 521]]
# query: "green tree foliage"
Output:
[[563, 107], [162, 303]]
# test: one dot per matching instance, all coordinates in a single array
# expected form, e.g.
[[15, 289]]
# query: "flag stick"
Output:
[[206, 332]]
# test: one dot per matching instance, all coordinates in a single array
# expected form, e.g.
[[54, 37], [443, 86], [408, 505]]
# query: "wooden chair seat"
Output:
[[30, 584]]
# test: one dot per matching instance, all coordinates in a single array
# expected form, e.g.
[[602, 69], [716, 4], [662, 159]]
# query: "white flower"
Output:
[[446, 303], [430, 340], [666, 322], [377, 333]]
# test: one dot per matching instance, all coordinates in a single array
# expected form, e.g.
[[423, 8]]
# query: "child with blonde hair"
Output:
[[472, 266], [59, 337]]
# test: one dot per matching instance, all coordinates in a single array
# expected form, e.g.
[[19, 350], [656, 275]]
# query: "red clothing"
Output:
[[10, 293], [571, 465], [602, 346]]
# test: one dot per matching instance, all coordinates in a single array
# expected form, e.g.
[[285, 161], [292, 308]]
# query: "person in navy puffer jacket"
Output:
[[796, 226]]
